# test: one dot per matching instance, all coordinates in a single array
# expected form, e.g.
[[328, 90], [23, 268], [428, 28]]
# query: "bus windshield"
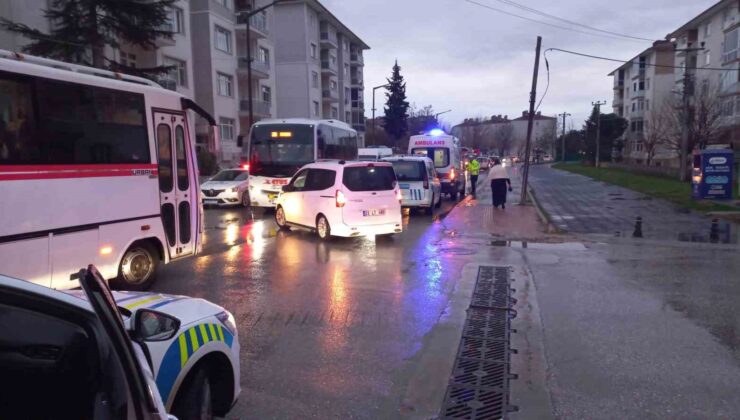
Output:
[[279, 150], [439, 155]]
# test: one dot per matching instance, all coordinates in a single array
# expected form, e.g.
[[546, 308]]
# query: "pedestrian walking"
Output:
[[473, 168], [499, 179]]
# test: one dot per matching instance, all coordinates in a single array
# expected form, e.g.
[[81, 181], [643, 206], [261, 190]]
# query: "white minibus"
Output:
[[445, 151]]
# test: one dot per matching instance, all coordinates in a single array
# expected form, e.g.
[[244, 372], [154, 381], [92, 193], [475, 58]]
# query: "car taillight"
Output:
[[245, 166], [426, 183], [452, 173], [340, 199], [399, 196]]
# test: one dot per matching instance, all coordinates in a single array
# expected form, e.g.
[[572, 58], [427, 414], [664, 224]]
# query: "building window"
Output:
[[346, 96], [222, 39], [128, 59], [263, 55], [178, 71], [707, 29], [346, 46], [315, 108], [346, 70], [729, 46], [225, 85], [707, 58], [225, 3], [175, 21], [266, 94], [226, 126], [348, 117], [333, 60], [334, 112], [333, 85], [315, 79], [647, 83], [313, 50], [647, 104]]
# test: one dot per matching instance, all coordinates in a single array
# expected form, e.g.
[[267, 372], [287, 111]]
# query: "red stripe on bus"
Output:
[[63, 175], [47, 168]]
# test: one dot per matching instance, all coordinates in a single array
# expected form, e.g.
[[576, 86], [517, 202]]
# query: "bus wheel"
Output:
[[138, 269]]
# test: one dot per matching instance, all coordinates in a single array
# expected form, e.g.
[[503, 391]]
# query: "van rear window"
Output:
[[409, 170], [369, 178], [439, 155]]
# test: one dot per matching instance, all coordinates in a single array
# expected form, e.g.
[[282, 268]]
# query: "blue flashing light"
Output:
[[436, 132]]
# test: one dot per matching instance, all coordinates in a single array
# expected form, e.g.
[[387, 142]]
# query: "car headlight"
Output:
[[228, 321]]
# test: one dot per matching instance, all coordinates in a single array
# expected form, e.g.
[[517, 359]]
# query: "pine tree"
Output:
[[396, 106], [82, 29]]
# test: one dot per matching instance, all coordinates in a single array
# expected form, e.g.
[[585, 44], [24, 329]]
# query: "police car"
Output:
[[102, 354]]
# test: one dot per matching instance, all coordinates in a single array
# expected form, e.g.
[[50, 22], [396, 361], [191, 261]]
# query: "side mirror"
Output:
[[151, 325], [287, 188]]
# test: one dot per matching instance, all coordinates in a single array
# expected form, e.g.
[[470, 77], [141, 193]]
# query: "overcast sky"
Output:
[[478, 62]]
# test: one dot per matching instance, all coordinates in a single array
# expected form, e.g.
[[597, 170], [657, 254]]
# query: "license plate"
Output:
[[211, 202], [373, 212]]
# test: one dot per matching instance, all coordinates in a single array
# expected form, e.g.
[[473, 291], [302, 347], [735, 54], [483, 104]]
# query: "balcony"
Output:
[[330, 95], [358, 105], [638, 113], [259, 107], [355, 59], [257, 24], [327, 67], [618, 100], [329, 40], [260, 69], [162, 41], [640, 93], [356, 82], [619, 84]]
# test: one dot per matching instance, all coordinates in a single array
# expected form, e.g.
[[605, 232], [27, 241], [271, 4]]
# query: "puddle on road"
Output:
[[560, 246]]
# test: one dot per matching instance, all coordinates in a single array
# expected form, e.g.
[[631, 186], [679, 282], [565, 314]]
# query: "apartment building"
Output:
[[320, 77], [642, 88], [713, 42], [488, 131]]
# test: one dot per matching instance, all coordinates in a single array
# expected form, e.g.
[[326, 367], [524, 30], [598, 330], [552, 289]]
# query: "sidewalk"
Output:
[[478, 216]]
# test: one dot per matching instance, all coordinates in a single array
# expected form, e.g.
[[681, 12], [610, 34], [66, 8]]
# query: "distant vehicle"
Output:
[[228, 187], [505, 162], [98, 354], [547, 158], [444, 150], [278, 148], [338, 198], [420, 186], [106, 173], [373, 154]]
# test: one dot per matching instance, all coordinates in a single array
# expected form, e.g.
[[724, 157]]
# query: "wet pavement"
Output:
[[608, 327], [579, 204]]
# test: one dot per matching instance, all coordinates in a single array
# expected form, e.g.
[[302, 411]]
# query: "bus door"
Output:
[[176, 193]]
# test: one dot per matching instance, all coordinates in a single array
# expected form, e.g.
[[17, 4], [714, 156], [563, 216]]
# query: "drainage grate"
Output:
[[479, 384]]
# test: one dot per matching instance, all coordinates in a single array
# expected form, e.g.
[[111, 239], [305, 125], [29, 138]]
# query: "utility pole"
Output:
[[372, 122], [530, 123], [562, 156], [598, 104], [247, 17], [688, 92]]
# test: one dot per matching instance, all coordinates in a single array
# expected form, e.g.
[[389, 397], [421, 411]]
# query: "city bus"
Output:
[[96, 167], [278, 148]]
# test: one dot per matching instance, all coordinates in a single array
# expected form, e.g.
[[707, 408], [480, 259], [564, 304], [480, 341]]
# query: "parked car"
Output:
[[342, 198], [228, 187], [94, 353], [420, 186]]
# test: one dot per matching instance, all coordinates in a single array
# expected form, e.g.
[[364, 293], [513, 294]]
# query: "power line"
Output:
[[544, 14], [628, 61], [565, 28]]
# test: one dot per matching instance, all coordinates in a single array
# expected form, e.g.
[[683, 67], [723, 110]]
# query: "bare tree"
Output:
[[504, 137], [475, 133], [704, 115], [657, 131]]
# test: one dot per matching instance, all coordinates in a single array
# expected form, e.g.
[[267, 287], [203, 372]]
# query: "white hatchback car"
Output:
[[228, 187], [420, 186], [341, 198]]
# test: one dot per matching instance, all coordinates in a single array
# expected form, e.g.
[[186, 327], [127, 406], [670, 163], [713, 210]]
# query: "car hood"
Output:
[[184, 308], [220, 185]]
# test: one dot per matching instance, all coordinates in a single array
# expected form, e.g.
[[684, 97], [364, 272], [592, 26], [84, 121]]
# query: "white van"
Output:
[[374, 153], [420, 186], [444, 150], [338, 198]]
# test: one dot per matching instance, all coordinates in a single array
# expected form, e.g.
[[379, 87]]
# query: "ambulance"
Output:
[[446, 153]]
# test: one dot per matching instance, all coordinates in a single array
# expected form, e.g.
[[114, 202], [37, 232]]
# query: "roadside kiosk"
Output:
[[711, 174]]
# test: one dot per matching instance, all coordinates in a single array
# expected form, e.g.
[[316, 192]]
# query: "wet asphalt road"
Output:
[[326, 328]]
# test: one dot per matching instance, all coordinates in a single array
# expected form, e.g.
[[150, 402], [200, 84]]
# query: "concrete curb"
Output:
[[549, 226]]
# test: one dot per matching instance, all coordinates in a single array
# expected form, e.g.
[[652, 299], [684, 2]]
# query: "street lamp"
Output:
[[247, 16], [440, 113], [372, 122]]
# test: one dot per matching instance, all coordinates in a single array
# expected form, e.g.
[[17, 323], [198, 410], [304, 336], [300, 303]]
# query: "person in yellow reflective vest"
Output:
[[473, 169]]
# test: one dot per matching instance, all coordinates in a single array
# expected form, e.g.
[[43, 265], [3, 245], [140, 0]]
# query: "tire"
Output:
[[323, 230], [138, 268], [245, 199], [194, 400], [280, 219]]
